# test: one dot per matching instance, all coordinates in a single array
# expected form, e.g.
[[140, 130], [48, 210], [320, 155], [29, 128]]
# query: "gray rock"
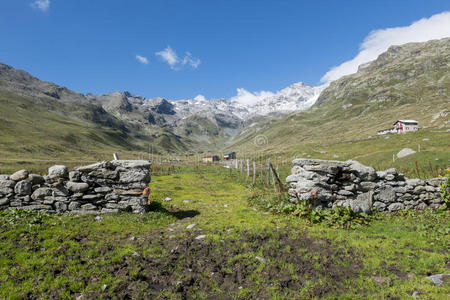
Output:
[[405, 152], [88, 206], [75, 176], [380, 206], [23, 188], [414, 182], [112, 197], [381, 174], [386, 194], [128, 164], [400, 189], [91, 197], [135, 175], [392, 171], [57, 172], [363, 203], [389, 177], [74, 205], [60, 206], [345, 193], [96, 166], [4, 177], [364, 172], [4, 201], [19, 175], [40, 193], [439, 279], [104, 173], [7, 187], [77, 187], [396, 207], [35, 179], [367, 186], [430, 188], [103, 189]]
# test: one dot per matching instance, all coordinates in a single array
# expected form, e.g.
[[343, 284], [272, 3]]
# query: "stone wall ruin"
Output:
[[329, 183], [104, 187]]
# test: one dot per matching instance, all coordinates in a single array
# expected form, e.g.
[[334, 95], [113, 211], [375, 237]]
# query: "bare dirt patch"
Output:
[[248, 266]]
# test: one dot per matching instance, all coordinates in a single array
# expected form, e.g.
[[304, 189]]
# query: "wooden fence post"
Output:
[[254, 173], [248, 169]]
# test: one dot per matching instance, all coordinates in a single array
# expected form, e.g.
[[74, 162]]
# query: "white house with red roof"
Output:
[[401, 126]]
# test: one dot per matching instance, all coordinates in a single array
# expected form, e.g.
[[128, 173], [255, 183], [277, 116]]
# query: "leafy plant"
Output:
[[337, 217]]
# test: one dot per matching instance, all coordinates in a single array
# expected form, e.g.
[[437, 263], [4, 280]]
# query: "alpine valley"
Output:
[[408, 81]]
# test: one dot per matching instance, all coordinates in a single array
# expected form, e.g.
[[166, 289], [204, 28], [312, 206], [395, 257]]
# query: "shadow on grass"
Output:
[[179, 214]]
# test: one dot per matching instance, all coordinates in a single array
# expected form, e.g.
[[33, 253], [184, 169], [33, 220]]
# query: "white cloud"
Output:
[[193, 62], [245, 97], [43, 5], [170, 56], [200, 98], [378, 41], [142, 59]]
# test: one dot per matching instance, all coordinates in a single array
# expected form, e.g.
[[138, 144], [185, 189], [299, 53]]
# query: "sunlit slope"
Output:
[[406, 82]]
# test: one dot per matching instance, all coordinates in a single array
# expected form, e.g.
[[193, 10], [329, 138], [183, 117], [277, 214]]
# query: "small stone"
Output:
[[104, 287], [200, 237], [186, 201], [88, 206], [380, 206], [396, 207], [133, 238], [439, 279], [74, 205], [75, 176], [260, 259], [98, 218], [167, 199], [381, 281], [19, 175], [190, 226], [102, 189], [77, 187]]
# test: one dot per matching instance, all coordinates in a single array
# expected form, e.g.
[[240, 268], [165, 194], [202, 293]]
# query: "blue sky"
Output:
[[92, 46]]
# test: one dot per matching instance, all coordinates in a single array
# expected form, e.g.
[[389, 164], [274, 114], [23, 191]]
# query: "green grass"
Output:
[[63, 256]]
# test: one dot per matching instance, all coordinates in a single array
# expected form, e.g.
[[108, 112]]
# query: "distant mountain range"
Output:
[[171, 125], [408, 81]]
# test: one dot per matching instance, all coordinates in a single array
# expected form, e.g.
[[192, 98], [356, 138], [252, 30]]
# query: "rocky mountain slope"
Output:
[[411, 81], [187, 125]]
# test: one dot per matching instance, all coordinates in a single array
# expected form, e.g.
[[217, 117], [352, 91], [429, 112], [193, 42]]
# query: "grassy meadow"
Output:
[[210, 241]]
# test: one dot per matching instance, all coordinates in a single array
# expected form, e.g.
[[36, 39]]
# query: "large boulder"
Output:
[[19, 175]]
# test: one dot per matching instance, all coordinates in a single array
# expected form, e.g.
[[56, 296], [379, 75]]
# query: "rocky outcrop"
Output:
[[104, 187], [328, 183]]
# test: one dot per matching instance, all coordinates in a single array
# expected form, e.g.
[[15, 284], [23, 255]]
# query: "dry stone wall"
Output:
[[104, 187], [328, 183]]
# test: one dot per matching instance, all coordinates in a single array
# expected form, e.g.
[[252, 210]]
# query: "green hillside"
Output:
[[406, 82]]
